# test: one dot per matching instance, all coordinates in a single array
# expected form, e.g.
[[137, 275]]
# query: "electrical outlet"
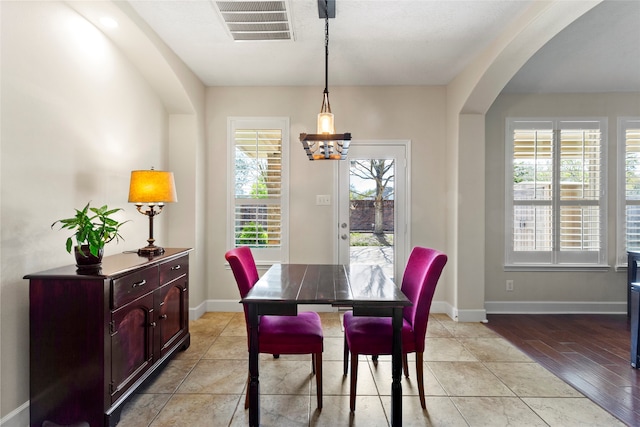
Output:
[[509, 285]]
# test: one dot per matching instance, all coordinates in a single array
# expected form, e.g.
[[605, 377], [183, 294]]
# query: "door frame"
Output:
[[401, 254]]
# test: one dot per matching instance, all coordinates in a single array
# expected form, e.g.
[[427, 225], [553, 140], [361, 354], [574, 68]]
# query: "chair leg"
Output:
[[313, 364], [405, 365], [374, 357], [345, 358], [354, 381], [419, 372], [318, 363]]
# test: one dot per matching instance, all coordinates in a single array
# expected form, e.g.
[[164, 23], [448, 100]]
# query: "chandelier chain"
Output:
[[326, 47]]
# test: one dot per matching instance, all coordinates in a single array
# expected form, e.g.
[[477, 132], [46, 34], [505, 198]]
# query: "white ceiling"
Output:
[[401, 42]]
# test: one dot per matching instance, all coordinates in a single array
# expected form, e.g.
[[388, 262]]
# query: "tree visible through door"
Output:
[[371, 212]]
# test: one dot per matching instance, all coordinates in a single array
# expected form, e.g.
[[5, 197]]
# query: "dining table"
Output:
[[366, 289]]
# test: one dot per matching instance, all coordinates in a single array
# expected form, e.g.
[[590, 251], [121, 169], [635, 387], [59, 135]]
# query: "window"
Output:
[[555, 181], [628, 187], [258, 152]]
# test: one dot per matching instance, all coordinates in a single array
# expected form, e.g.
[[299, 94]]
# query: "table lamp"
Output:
[[152, 188]]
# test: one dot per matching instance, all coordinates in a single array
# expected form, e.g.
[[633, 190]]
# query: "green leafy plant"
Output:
[[93, 227], [253, 235]]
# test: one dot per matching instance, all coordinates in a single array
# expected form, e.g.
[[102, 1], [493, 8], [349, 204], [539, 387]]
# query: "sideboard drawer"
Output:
[[171, 270], [132, 286]]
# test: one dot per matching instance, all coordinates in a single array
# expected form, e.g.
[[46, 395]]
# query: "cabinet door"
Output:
[[131, 343], [172, 315]]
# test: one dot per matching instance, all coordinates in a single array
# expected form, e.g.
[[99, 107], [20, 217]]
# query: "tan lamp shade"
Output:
[[151, 187]]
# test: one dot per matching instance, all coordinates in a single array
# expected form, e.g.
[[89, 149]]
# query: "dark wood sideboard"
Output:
[[95, 338]]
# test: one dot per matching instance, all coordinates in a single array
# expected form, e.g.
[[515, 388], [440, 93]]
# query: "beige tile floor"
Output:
[[473, 377]]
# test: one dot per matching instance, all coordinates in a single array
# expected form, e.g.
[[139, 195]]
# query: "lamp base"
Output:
[[150, 251]]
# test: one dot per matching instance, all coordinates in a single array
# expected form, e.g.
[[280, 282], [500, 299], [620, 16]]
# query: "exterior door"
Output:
[[373, 206]]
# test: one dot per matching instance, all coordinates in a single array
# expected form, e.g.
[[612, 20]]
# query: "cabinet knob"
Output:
[[152, 324], [164, 316], [176, 267]]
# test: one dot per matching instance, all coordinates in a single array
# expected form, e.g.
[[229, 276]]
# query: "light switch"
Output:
[[323, 199]]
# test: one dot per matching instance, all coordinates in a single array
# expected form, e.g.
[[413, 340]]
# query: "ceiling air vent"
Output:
[[256, 20]]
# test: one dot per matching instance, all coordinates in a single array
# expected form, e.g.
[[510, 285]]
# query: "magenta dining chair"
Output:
[[373, 335], [301, 334]]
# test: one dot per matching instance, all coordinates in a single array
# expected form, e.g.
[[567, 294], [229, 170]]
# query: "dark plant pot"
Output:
[[85, 261]]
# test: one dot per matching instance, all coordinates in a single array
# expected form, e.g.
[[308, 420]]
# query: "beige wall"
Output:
[[56, 66], [413, 113], [592, 289], [77, 116]]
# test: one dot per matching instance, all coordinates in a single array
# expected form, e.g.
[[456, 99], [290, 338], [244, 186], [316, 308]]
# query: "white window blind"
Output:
[[554, 192], [259, 204], [629, 187]]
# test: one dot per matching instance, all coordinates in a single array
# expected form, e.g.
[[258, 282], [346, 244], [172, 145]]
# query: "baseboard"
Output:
[[235, 306], [458, 315], [441, 307], [555, 307], [19, 417], [223, 305], [196, 312]]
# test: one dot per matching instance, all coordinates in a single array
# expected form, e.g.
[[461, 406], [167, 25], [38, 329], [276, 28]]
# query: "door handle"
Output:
[[344, 237]]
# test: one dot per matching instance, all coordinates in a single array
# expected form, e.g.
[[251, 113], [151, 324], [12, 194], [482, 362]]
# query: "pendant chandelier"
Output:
[[326, 144]]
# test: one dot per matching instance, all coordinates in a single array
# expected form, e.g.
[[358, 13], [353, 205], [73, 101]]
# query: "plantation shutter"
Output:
[[258, 188], [554, 189], [632, 184], [532, 188]]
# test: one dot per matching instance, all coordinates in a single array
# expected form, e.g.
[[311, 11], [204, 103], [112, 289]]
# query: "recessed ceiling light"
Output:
[[108, 22]]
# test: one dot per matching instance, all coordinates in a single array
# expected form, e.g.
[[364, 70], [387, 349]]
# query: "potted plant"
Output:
[[93, 228]]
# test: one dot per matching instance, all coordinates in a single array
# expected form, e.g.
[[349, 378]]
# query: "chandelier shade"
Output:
[[325, 117]]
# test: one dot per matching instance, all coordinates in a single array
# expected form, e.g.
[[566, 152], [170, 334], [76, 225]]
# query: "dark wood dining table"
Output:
[[364, 288]]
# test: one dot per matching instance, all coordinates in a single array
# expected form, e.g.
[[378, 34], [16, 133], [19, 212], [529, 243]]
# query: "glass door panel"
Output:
[[372, 207]]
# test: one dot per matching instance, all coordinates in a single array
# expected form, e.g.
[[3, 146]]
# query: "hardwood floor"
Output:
[[589, 352]]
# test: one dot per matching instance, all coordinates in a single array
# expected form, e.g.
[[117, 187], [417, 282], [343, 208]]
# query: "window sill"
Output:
[[621, 267], [557, 267]]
